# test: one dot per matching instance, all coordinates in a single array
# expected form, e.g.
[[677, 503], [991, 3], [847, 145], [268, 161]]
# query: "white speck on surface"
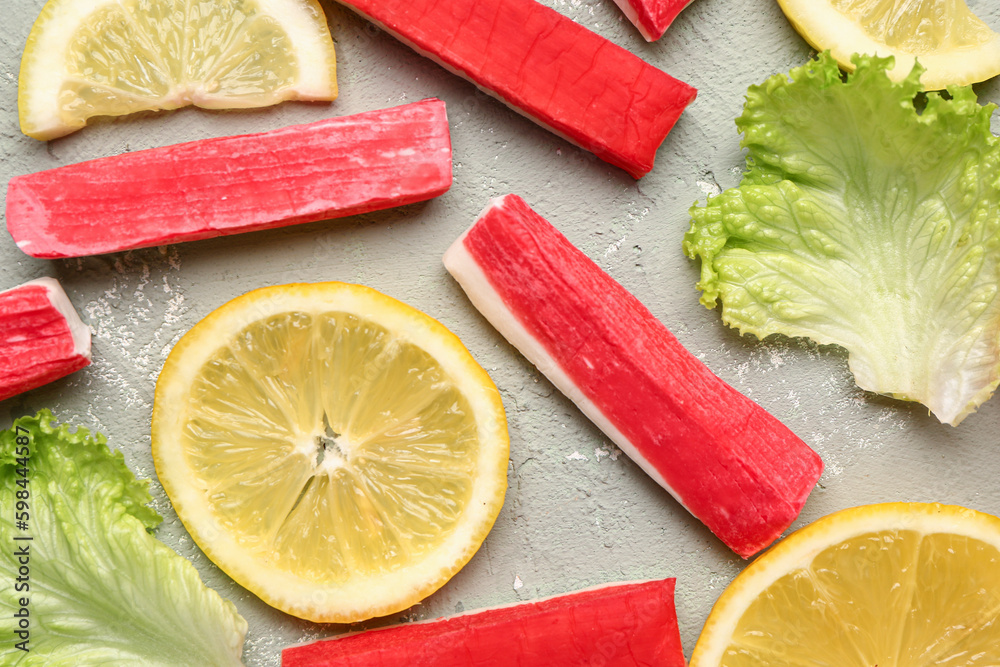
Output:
[[614, 246], [143, 281], [130, 325], [577, 456], [709, 189], [517, 582], [609, 452], [175, 309]]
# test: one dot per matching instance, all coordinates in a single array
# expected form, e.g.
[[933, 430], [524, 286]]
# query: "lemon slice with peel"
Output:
[[954, 45], [902, 585], [87, 58], [336, 452]]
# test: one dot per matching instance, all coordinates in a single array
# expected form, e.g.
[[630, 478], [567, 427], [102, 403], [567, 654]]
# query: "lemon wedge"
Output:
[[336, 452], [954, 45], [906, 585], [87, 58]]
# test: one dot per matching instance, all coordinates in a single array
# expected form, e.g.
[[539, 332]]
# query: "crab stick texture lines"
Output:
[[728, 461], [652, 17], [327, 169], [542, 64], [618, 625], [41, 337]]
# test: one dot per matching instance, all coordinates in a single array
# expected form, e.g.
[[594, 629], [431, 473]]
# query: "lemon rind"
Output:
[[361, 597], [798, 550], [44, 51], [316, 83], [43, 66]]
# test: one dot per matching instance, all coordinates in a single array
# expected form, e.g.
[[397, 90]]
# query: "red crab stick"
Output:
[[620, 625], [554, 71], [327, 169], [41, 337], [652, 17], [729, 462]]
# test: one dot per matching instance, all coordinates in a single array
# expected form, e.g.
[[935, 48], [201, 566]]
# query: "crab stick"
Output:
[[652, 17], [619, 625], [559, 74], [723, 457], [41, 337], [327, 169]]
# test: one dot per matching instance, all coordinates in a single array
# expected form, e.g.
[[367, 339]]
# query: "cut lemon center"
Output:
[[367, 460], [353, 456]]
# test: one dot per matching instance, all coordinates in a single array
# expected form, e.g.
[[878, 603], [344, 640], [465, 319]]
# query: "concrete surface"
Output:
[[577, 513]]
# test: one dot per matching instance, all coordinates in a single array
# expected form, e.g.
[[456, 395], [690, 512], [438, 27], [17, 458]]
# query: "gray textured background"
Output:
[[577, 512]]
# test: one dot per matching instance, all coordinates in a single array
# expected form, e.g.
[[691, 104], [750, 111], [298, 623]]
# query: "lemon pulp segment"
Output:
[[336, 452], [328, 446], [86, 58], [952, 44], [922, 593], [918, 27]]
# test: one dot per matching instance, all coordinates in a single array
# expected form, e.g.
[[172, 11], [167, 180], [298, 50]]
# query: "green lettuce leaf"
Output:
[[863, 223], [95, 586]]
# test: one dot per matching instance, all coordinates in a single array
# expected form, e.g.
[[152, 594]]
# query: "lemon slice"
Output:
[[951, 42], [335, 451], [87, 58], [895, 585]]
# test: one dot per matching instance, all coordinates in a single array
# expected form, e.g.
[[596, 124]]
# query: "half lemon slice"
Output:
[[87, 58], [902, 584], [954, 45], [336, 452]]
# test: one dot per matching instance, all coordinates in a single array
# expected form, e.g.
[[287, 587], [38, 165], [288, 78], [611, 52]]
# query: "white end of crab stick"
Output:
[[723, 457], [41, 336], [477, 286]]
